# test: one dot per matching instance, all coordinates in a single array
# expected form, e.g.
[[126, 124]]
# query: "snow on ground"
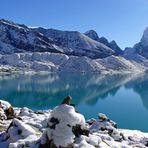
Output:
[[55, 62], [65, 127]]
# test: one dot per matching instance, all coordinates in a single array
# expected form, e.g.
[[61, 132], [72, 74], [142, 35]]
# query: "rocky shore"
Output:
[[62, 127]]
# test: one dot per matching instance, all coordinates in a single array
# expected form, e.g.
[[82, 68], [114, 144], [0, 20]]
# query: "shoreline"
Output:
[[65, 127]]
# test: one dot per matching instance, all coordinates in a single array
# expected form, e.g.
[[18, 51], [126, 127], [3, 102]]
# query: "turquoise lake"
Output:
[[123, 98]]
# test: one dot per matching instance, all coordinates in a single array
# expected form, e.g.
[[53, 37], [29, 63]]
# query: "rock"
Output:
[[10, 113], [144, 141], [77, 130], [7, 109], [91, 121], [67, 100], [2, 114], [64, 126], [53, 122], [102, 117], [66, 129], [4, 105]]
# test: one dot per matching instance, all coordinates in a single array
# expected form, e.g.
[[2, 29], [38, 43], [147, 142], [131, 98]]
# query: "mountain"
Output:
[[113, 45], [76, 43], [19, 38], [92, 34], [142, 46], [27, 49], [139, 52]]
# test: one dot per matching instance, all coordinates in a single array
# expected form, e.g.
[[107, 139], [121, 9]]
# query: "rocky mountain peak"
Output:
[[104, 41], [113, 45], [142, 47], [144, 39], [92, 34]]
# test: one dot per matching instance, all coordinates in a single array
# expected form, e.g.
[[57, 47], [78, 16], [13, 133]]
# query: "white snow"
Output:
[[55, 62], [4, 104], [65, 113], [36, 129], [62, 135]]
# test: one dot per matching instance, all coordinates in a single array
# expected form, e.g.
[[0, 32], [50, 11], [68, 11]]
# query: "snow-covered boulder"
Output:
[[17, 135], [6, 110], [63, 126], [106, 125], [4, 105]]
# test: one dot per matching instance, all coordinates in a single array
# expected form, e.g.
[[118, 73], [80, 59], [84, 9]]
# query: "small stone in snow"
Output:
[[102, 117]]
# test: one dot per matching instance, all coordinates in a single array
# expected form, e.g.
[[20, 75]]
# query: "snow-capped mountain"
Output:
[[20, 38], [113, 45], [139, 52], [142, 46], [76, 43], [25, 49], [92, 34]]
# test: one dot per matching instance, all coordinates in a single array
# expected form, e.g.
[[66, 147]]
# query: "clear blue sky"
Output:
[[121, 20]]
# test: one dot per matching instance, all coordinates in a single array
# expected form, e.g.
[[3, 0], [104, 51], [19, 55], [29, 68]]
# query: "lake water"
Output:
[[123, 98]]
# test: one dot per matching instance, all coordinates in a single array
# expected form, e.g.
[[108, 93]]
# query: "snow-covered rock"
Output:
[[18, 134], [61, 126], [4, 105], [64, 127]]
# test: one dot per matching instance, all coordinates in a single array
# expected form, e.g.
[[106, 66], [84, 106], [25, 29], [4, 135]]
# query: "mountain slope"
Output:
[[20, 38], [76, 43], [39, 49], [113, 45]]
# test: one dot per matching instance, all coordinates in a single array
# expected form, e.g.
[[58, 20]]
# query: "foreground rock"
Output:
[[64, 127]]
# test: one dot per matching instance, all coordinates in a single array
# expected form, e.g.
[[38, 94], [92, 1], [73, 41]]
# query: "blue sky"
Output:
[[121, 20]]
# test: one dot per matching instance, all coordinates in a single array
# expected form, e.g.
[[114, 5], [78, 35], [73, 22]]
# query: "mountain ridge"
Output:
[[21, 37], [25, 49]]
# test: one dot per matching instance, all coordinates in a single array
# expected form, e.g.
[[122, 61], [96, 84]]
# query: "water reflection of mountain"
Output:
[[44, 91], [140, 86]]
